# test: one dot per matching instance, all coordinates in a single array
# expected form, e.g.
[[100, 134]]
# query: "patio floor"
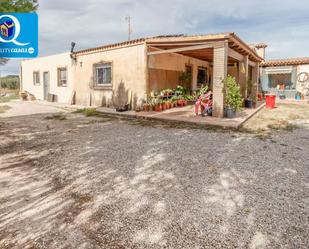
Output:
[[186, 114]]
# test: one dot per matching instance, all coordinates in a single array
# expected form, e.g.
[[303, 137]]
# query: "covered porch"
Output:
[[208, 59]]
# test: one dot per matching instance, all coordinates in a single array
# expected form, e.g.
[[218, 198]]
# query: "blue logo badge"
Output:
[[18, 35]]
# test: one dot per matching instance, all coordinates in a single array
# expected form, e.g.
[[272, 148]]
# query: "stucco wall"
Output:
[[166, 66], [48, 64], [300, 69], [128, 76]]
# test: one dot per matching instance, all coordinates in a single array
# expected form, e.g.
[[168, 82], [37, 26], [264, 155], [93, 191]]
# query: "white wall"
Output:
[[128, 69], [300, 69], [48, 64]]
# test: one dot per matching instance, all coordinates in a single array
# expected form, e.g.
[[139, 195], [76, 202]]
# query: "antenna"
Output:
[[128, 19]]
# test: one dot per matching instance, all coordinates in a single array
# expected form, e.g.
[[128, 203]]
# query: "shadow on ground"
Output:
[[103, 182]]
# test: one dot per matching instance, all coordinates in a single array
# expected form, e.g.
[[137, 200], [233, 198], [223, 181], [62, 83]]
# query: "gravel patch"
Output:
[[104, 182]]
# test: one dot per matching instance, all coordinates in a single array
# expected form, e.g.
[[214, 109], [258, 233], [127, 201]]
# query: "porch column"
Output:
[[243, 69], [219, 74], [255, 80]]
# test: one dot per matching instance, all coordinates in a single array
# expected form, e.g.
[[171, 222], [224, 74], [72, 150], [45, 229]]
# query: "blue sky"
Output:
[[283, 25]]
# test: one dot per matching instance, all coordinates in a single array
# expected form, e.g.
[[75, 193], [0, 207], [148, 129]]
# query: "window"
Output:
[[201, 77], [62, 76], [103, 74], [36, 78]]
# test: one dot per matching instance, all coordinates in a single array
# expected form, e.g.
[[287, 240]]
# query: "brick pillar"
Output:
[[219, 74], [243, 76]]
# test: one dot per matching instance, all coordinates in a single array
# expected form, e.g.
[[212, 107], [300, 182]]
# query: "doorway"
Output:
[[46, 84]]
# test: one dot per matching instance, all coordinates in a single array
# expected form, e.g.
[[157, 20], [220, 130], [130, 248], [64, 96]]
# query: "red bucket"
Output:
[[270, 101]]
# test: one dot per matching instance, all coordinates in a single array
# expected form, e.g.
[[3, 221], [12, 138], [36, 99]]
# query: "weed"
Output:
[[58, 116], [88, 112], [8, 98]]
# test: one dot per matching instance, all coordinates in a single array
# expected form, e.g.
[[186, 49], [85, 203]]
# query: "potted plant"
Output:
[[23, 95], [233, 98], [174, 101], [179, 90], [146, 107], [164, 105], [202, 90], [180, 102]]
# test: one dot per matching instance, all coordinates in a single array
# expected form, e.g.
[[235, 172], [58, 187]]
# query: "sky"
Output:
[[282, 24]]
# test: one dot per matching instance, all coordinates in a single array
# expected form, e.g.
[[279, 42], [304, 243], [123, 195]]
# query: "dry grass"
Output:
[[280, 118], [4, 108]]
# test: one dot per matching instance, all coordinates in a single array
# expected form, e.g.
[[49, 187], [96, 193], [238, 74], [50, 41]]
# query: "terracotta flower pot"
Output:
[[146, 107], [179, 102], [158, 108]]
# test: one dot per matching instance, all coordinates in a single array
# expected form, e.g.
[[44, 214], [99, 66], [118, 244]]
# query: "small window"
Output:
[[201, 77], [36, 78], [104, 74], [62, 76]]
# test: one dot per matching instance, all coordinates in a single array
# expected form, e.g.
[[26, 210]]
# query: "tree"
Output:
[[18, 5]]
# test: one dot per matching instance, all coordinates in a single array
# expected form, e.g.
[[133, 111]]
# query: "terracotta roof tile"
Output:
[[260, 45], [286, 62], [166, 38]]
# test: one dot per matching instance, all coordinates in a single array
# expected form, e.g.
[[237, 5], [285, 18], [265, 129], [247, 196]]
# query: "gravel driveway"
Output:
[[110, 183]]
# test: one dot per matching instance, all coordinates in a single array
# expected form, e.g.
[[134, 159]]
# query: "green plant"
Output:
[[166, 92], [88, 112], [185, 80], [179, 90], [203, 90], [188, 97], [231, 90]]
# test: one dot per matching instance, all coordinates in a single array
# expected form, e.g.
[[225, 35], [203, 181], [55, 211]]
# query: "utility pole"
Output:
[[128, 19]]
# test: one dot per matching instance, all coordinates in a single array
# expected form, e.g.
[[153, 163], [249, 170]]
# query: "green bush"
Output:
[[231, 90], [9, 82]]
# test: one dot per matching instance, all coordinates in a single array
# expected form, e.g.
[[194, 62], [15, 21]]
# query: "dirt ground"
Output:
[[23, 108], [67, 181], [284, 116]]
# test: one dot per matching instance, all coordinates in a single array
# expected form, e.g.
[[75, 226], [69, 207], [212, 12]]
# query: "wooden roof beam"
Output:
[[235, 55], [189, 48]]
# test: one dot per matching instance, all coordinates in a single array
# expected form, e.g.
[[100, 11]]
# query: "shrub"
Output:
[[231, 90], [88, 112], [10, 82]]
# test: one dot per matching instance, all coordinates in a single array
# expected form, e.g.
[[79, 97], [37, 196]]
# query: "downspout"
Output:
[[74, 63]]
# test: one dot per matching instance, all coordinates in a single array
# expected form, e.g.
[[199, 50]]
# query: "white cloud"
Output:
[[282, 25]]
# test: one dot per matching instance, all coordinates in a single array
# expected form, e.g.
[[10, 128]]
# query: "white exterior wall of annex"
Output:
[[300, 69], [48, 64]]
